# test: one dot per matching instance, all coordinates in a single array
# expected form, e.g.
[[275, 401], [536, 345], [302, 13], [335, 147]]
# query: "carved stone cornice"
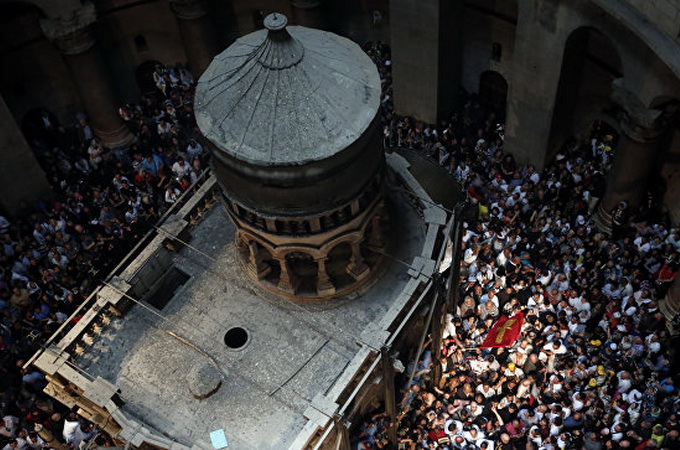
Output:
[[189, 9], [72, 32], [638, 122]]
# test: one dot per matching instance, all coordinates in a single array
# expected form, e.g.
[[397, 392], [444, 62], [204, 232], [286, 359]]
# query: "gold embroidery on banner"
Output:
[[502, 329]]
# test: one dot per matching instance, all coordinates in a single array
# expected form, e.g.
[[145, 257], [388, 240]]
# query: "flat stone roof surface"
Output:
[[294, 353]]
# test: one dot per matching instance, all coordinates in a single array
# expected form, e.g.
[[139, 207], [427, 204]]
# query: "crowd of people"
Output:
[[592, 367], [55, 253]]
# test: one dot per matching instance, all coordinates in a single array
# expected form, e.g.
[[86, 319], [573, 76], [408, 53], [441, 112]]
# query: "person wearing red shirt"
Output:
[[666, 275], [438, 433]]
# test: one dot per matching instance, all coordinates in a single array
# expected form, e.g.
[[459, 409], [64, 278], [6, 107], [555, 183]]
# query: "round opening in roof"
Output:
[[236, 338]]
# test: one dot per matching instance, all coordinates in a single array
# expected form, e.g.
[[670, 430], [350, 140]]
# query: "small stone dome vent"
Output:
[[204, 380]]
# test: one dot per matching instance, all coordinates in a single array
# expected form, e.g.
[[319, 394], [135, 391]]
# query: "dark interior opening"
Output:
[[236, 337], [165, 289]]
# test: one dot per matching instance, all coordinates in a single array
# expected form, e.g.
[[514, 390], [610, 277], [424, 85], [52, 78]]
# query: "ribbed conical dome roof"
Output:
[[287, 95]]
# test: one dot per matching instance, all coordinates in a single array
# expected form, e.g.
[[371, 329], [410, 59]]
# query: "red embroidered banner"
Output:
[[505, 332]]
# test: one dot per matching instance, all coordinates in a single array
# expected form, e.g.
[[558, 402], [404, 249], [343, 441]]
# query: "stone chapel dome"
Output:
[[291, 112], [287, 95]]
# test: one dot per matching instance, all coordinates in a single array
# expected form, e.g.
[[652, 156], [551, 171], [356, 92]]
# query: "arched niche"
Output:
[[144, 76], [36, 75], [590, 63], [39, 124], [338, 260], [489, 31], [665, 188], [304, 270], [493, 92]]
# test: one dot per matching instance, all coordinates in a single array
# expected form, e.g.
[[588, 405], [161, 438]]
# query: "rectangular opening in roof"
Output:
[[165, 287]]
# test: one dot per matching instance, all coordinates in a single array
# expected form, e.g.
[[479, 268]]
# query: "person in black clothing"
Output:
[[620, 215]]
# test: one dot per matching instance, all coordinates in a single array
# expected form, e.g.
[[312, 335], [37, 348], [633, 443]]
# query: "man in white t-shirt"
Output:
[[181, 168]]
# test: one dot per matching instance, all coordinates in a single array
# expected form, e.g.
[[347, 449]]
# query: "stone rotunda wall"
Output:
[[292, 114]]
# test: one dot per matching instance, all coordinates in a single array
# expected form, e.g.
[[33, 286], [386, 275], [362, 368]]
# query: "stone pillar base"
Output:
[[287, 285], [257, 269], [260, 272], [603, 220], [324, 285], [358, 271], [669, 308], [325, 288], [357, 267], [376, 237], [119, 138]]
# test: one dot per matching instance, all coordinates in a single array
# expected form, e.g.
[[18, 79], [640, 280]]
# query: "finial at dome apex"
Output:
[[275, 21]]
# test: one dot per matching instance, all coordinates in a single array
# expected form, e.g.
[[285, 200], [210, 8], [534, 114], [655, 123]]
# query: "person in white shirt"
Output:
[[503, 257], [15, 444], [612, 290], [468, 234], [532, 175], [163, 127], [642, 244], [450, 329], [577, 403], [473, 434], [550, 351], [194, 149], [624, 382], [486, 390], [35, 442], [462, 172], [673, 238], [71, 423], [10, 426], [575, 300], [181, 168], [171, 195], [470, 254]]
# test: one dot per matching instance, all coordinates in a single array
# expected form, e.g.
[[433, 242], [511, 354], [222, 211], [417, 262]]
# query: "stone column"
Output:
[[376, 237], [535, 78], [389, 394], [324, 285], [72, 34], [426, 56], [642, 132], [286, 282], [309, 13], [670, 305], [357, 268], [198, 32], [257, 268], [23, 178]]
